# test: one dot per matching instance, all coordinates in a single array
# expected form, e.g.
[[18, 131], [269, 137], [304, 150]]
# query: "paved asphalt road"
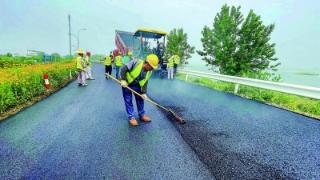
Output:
[[242, 139], [83, 133]]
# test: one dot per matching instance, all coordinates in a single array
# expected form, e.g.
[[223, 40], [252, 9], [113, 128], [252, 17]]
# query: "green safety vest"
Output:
[[79, 63], [125, 59], [170, 62], [118, 61], [135, 72], [107, 61]]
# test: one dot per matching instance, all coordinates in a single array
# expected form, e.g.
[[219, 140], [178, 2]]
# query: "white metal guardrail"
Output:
[[306, 91]]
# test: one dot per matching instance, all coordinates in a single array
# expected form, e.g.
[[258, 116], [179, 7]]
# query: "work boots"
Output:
[[133, 122], [145, 118]]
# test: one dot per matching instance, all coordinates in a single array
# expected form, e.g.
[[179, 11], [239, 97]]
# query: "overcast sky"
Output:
[[43, 24]]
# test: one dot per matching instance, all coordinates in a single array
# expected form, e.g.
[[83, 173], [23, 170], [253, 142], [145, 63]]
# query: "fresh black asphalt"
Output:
[[82, 132], [242, 139]]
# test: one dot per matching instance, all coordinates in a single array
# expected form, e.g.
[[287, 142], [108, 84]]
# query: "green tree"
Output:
[[236, 46], [256, 53], [56, 56], [177, 43], [9, 54]]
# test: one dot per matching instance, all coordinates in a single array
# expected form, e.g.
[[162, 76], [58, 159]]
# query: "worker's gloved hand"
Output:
[[124, 83], [144, 96]]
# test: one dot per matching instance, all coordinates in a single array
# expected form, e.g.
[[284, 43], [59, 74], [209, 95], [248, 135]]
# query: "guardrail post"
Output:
[[186, 77], [236, 88]]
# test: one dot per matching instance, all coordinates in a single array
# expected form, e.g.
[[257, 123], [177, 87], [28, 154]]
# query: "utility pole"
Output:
[[69, 18]]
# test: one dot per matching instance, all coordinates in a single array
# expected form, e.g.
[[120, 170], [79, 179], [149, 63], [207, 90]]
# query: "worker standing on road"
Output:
[[136, 75], [108, 64], [81, 67], [176, 63], [118, 64], [170, 66], [89, 66]]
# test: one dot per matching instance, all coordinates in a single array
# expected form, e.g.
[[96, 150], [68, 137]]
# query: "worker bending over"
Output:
[[136, 75]]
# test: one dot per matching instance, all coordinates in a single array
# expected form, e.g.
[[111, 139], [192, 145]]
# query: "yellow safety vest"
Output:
[[170, 62], [107, 61], [118, 61], [135, 72], [79, 63], [176, 59]]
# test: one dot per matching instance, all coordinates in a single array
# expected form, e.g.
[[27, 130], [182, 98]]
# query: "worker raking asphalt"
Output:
[[83, 133], [169, 112]]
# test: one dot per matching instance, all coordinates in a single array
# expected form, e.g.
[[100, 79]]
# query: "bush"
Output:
[[20, 84]]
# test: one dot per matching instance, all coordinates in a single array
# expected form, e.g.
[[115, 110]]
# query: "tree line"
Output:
[[232, 45]]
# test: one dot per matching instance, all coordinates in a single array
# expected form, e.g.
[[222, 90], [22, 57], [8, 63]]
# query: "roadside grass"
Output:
[[20, 84], [302, 105]]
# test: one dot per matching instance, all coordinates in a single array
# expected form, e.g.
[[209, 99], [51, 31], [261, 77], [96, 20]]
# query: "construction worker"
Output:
[[136, 75], [170, 66], [118, 64], [130, 54], [108, 64], [80, 62], [89, 66], [176, 63]]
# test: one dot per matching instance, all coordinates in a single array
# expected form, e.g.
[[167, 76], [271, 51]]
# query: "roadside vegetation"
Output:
[[241, 46], [302, 105], [21, 79], [177, 44]]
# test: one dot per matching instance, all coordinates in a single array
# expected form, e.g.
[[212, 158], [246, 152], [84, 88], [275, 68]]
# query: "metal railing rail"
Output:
[[306, 91]]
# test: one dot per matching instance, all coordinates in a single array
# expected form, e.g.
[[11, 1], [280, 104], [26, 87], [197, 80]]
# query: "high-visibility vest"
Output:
[[176, 59], [135, 72], [107, 61], [170, 62], [79, 63], [118, 61]]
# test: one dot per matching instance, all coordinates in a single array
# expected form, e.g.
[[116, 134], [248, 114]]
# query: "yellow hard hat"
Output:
[[153, 60], [129, 53], [80, 51]]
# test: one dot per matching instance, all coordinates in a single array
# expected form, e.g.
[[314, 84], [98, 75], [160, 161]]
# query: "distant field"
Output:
[[308, 73], [293, 76]]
